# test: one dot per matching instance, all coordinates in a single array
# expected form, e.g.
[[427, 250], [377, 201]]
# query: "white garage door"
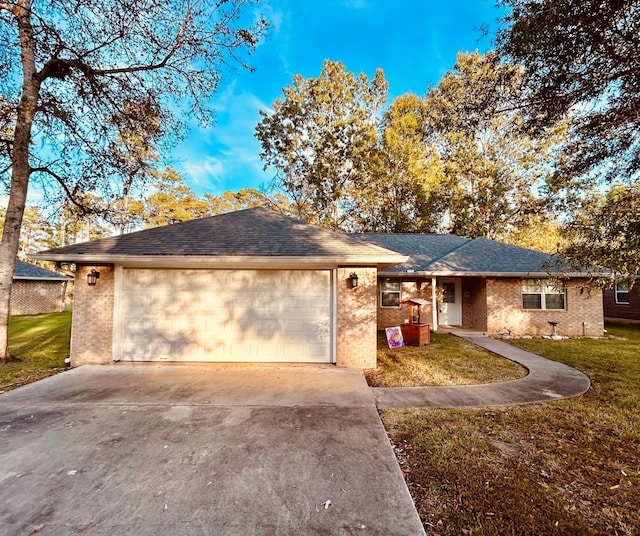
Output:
[[224, 315]]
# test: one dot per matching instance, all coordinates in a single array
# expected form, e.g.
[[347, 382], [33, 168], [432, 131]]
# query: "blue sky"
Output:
[[415, 42]]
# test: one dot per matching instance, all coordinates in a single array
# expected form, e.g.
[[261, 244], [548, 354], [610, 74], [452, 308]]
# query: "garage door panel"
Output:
[[225, 315], [316, 350]]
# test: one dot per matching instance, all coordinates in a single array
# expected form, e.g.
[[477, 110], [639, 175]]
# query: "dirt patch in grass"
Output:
[[567, 467], [447, 360], [39, 345]]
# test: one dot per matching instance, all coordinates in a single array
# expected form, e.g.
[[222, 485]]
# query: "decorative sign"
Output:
[[394, 337]]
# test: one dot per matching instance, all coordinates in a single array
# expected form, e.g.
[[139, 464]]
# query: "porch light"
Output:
[[92, 277], [353, 280]]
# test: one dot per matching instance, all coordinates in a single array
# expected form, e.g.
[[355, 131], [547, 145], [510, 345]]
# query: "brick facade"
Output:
[[92, 324], [356, 334], [396, 316], [474, 303], [494, 305], [582, 316], [627, 311], [93, 316], [31, 297]]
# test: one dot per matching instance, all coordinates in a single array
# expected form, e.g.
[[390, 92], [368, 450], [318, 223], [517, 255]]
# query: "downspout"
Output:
[[434, 304]]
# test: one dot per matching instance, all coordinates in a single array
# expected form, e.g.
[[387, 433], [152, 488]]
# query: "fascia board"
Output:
[[493, 274], [35, 278], [166, 261]]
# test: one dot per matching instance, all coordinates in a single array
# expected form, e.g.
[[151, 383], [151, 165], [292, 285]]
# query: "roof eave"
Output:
[[36, 278], [445, 273], [228, 261]]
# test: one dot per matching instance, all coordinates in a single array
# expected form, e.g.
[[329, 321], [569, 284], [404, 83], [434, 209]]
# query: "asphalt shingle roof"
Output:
[[483, 255], [24, 270], [423, 249], [255, 232], [433, 253]]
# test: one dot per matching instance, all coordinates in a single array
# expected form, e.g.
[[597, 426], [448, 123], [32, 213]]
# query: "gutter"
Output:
[[227, 261], [491, 274], [61, 279]]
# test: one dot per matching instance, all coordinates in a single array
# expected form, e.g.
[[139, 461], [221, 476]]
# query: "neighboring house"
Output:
[[251, 285], [623, 302], [36, 290], [484, 285]]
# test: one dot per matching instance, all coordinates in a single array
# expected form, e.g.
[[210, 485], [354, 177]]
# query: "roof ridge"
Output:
[[507, 244], [467, 241]]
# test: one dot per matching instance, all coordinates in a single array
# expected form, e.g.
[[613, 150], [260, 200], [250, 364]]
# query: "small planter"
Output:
[[415, 333]]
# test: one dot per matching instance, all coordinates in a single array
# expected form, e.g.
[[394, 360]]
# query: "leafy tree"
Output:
[[542, 233], [406, 193], [232, 201], [320, 138], [173, 201], [493, 174], [69, 67], [605, 231], [37, 233], [581, 60], [132, 155], [81, 220]]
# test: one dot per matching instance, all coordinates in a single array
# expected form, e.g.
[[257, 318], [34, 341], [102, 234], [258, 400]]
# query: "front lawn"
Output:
[[567, 467], [38, 345], [447, 360]]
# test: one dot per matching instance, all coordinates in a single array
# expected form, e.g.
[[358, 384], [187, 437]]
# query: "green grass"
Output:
[[38, 345], [447, 360], [567, 467]]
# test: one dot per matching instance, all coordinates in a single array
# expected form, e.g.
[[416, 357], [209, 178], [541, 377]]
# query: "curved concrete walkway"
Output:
[[547, 380]]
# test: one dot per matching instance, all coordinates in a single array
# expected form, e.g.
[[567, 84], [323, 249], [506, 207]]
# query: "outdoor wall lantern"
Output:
[[353, 280], [92, 277]]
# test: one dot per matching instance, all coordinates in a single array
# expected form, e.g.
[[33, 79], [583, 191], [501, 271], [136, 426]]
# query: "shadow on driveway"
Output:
[[181, 450]]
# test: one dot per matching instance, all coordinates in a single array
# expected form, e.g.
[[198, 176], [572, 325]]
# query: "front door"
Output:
[[449, 302]]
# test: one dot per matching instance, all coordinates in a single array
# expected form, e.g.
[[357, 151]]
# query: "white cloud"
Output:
[[203, 173], [226, 155]]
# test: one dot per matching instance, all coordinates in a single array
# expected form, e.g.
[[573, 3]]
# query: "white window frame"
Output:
[[544, 288], [384, 291], [618, 292]]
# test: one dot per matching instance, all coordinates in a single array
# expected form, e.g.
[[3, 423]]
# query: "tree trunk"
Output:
[[20, 167], [124, 209], [62, 225]]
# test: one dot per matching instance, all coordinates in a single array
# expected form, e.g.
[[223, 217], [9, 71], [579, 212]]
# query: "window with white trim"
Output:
[[622, 292], [543, 294], [390, 292]]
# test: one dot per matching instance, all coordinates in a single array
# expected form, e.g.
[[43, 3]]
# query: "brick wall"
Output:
[[395, 316], [630, 311], [474, 303], [29, 297], [92, 324], [504, 303], [356, 337]]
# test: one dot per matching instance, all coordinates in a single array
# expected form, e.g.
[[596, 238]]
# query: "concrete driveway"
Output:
[[187, 450]]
